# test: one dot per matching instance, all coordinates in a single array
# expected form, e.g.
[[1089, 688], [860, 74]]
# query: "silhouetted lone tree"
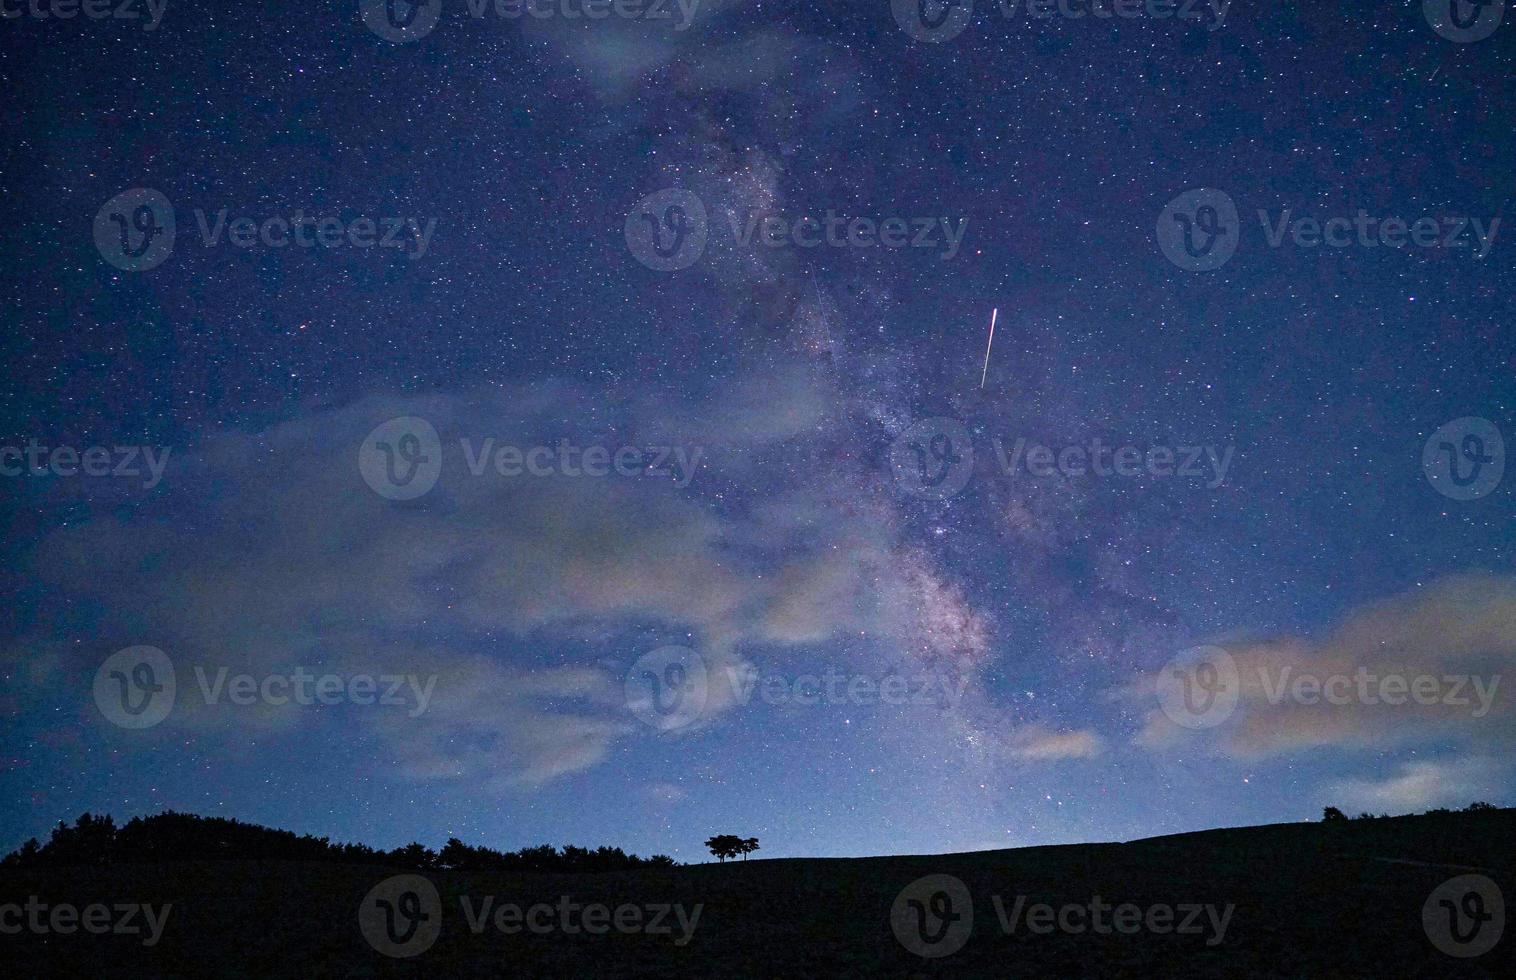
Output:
[[725, 846], [1331, 813], [730, 845]]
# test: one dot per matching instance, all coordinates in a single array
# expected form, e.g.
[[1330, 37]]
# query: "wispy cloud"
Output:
[[1421, 784], [521, 595]]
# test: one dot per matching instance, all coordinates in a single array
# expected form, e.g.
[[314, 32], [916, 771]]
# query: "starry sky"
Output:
[[525, 298]]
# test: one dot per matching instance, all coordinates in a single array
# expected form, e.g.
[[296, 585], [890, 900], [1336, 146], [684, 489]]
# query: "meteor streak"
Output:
[[986, 373]]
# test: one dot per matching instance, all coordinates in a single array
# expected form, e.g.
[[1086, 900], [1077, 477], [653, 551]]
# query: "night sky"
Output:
[[504, 200]]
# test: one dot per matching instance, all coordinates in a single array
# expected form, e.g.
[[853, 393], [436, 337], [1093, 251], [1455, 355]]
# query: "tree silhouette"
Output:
[[724, 846], [1331, 813], [414, 855], [730, 845]]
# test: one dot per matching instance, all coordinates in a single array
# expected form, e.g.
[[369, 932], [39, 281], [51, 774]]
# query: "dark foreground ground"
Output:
[[1307, 900]]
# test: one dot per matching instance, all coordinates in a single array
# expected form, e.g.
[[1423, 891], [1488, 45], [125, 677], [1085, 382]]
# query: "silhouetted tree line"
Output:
[[459, 856], [170, 836], [1331, 814]]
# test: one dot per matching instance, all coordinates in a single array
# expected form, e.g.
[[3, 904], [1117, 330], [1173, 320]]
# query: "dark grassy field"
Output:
[[1308, 900]]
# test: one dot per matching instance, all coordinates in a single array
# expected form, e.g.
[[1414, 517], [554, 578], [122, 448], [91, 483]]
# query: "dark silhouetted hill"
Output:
[[1343, 898]]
